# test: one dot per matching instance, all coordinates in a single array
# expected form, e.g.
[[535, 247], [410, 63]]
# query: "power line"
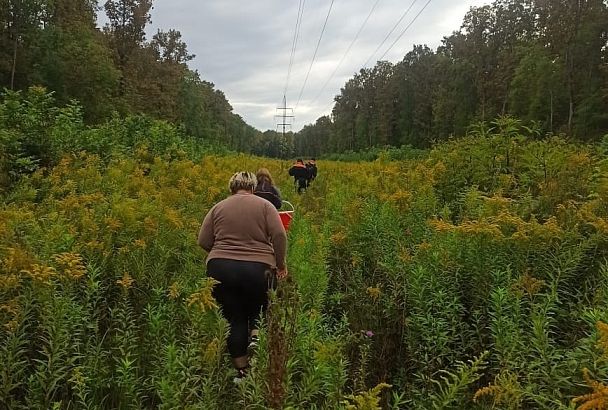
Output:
[[347, 50], [390, 32], [394, 42], [327, 107], [315, 53], [286, 113], [405, 29], [294, 43]]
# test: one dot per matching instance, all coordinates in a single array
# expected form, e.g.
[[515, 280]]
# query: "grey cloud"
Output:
[[243, 46]]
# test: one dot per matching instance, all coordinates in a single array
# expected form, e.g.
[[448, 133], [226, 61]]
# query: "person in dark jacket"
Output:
[[266, 189], [311, 166], [299, 172]]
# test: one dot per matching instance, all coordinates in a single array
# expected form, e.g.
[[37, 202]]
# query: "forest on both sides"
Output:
[[435, 273], [542, 61]]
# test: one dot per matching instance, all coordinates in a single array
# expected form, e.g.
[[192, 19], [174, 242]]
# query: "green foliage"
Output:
[[452, 386], [57, 45], [420, 265], [35, 133], [403, 153], [509, 57], [404, 263]]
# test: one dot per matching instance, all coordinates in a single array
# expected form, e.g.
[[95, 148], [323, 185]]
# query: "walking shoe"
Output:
[[240, 375], [254, 341]]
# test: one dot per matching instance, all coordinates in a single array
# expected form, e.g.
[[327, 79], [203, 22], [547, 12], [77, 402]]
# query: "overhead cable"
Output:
[[315, 53], [294, 43], [405, 29], [347, 50], [390, 32]]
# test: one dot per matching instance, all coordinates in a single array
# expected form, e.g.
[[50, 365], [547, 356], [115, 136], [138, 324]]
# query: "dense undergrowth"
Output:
[[473, 277]]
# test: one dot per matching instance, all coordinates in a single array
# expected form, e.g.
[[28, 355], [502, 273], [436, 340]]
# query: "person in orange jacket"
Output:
[[300, 175]]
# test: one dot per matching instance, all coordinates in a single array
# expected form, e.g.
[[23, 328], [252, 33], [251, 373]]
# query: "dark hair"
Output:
[[300, 160]]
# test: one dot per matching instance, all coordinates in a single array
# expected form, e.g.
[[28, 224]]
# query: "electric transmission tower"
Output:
[[284, 117]]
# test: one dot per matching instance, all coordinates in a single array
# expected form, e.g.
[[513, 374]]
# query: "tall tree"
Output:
[[126, 29], [20, 22], [542, 60], [73, 59], [170, 47]]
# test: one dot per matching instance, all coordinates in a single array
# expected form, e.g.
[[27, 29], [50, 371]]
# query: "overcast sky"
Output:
[[243, 46]]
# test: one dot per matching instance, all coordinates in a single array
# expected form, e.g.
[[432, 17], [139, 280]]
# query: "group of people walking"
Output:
[[303, 174], [247, 244]]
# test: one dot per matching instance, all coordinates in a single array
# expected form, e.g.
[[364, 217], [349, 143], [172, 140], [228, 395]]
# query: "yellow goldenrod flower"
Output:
[[374, 292], [528, 284], [126, 281], [212, 352], [40, 273], [338, 237], [9, 281], [405, 255], [174, 290], [602, 329], [113, 224], [597, 399], [424, 246], [203, 299], [489, 390], [506, 389], [355, 260], [482, 227], [439, 225], [150, 224], [16, 260], [71, 265], [174, 218], [368, 400]]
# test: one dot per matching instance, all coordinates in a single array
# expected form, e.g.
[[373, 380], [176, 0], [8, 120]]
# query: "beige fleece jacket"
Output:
[[244, 227]]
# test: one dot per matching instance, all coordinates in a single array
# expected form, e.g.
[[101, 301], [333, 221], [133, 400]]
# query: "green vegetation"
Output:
[[115, 71], [474, 276], [449, 273], [542, 61]]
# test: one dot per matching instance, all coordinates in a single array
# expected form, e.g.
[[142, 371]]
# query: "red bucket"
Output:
[[287, 216]]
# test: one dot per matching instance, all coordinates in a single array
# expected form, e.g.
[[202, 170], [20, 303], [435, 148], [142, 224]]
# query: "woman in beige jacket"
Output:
[[246, 243]]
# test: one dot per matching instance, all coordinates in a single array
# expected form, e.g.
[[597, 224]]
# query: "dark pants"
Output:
[[301, 184], [242, 294]]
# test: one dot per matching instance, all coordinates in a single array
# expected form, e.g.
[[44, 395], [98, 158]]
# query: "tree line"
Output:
[[115, 69], [543, 61]]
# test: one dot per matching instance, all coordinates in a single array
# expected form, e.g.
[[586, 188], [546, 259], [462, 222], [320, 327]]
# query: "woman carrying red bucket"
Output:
[[266, 189]]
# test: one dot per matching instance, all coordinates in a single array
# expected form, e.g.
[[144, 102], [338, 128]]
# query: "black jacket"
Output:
[[312, 171], [299, 172], [269, 193]]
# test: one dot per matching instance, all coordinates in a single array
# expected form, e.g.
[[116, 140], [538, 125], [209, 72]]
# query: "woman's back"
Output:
[[244, 227]]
